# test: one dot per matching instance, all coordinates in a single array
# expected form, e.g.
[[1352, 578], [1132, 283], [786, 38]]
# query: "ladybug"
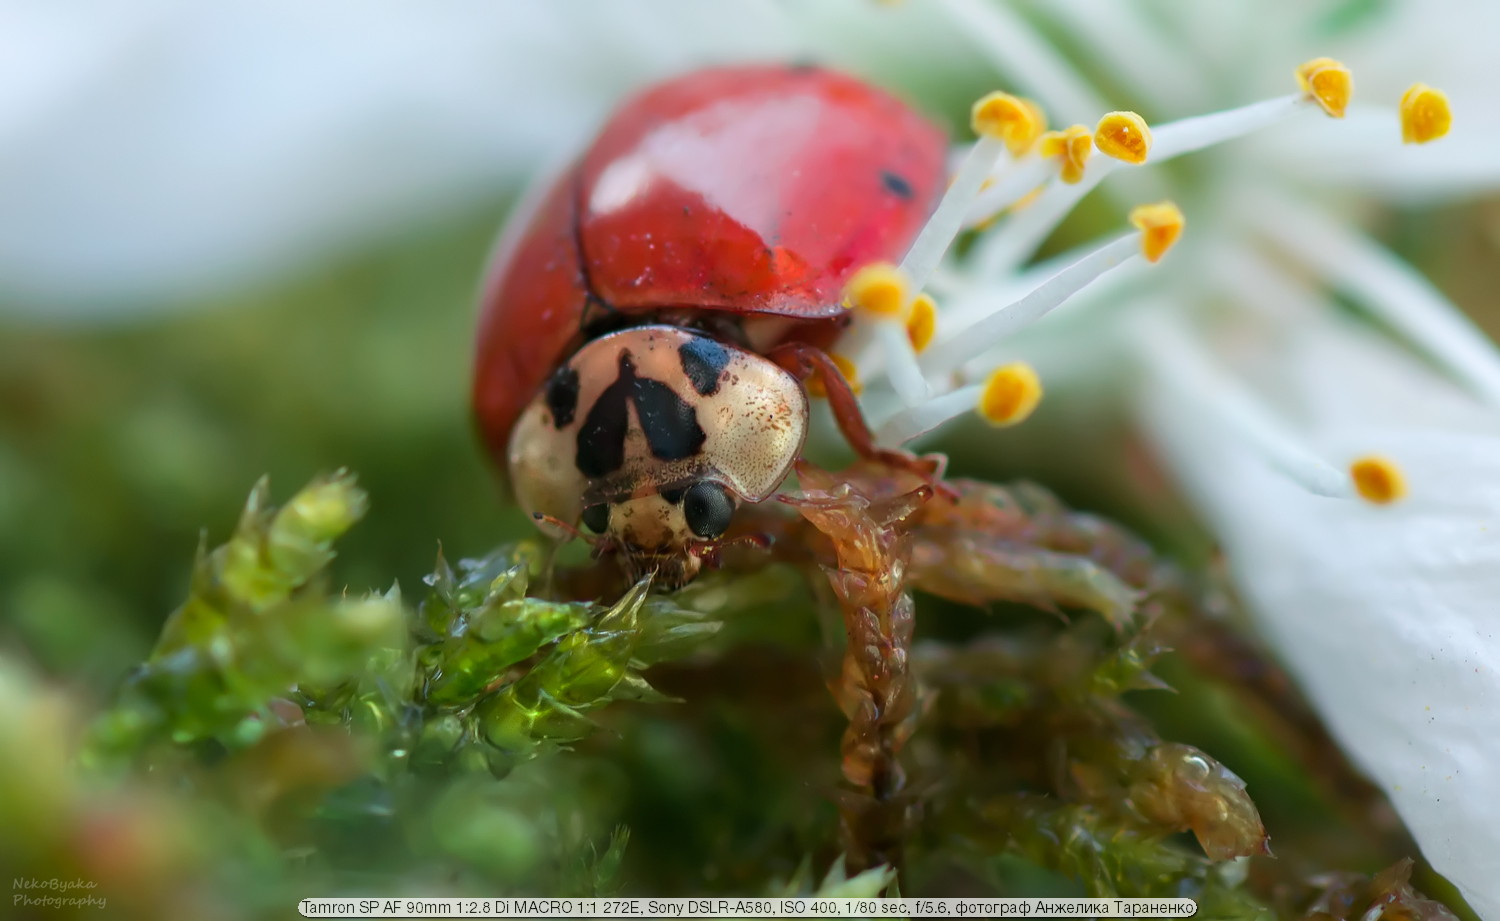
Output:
[[649, 322]]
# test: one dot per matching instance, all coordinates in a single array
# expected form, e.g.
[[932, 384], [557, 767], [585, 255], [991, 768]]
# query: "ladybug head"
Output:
[[668, 532], [651, 438]]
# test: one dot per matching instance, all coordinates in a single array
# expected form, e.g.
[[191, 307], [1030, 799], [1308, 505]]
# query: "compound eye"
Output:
[[707, 508], [596, 518]]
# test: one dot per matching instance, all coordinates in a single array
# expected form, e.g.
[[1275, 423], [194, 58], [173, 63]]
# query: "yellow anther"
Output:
[[922, 323], [1329, 83], [1124, 136], [1160, 226], [1038, 117], [1010, 394], [1425, 115], [816, 387], [988, 181], [1072, 147], [1378, 480], [1016, 121], [879, 289]]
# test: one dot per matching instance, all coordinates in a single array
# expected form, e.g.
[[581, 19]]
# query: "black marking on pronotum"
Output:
[[703, 361], [896, 184], [601, 439], [562, 396], [669, 423]]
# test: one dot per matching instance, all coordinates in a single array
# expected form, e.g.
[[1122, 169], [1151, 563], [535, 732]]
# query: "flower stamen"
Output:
[[1010, 395], [1011, 244], [882, 292], [1001, 121], [1327, 82], [1378, 480], [1159, 227], [921, 324], [1016, 121], [1071, 147], [1007, 397], [1425, 114], [1124, 136], [879, 289], [1183, 368]]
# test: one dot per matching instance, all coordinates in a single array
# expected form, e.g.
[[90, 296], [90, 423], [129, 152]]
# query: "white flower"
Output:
[[1384, 612], [1386, 615]]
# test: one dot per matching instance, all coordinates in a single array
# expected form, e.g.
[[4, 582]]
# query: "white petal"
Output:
[[171, 149], [1364, 151], [1029, 62], [1385, 615], [1148, 61]]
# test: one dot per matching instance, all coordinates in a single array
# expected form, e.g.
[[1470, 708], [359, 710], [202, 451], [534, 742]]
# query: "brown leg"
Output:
[[804, 361]]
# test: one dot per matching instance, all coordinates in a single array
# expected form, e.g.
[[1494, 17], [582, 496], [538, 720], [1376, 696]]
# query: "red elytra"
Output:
[[752, 193]]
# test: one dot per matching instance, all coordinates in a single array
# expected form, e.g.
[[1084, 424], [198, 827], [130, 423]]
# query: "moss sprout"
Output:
[[499, 734]]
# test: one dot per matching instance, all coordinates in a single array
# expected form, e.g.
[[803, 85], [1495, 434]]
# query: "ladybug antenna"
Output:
[[711, 553], [595, 541], [759, 541]]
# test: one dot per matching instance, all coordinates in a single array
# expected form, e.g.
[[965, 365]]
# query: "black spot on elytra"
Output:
[[896, 184], [703, 361], [669, 423], [562, 396]]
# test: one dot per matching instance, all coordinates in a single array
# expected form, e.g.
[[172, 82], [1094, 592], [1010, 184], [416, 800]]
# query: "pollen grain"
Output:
[[1124, 136], [1378, 480], [1329, 83], [1425, 114], [879, 289], [1160, 226], [1016, 121], [921, 325], [1010, 394], [1072, 147]]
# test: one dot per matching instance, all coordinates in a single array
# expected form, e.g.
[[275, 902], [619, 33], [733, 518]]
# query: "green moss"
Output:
[[490, 736]]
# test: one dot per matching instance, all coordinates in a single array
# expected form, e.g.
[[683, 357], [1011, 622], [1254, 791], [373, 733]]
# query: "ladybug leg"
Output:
[[805, 361]]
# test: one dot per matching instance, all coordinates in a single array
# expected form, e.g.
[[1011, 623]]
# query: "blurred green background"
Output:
[[122, 443]]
